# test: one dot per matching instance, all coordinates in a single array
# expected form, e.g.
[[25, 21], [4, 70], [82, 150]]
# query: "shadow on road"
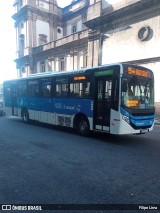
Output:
[[103, 137]]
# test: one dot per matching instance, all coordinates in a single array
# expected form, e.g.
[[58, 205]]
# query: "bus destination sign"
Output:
[[138, 72]]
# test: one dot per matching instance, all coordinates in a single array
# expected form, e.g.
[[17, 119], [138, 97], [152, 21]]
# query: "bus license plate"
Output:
[[144, 130]]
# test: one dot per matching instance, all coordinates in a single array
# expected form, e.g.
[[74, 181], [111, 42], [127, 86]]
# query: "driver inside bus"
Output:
[[130, 94], [127, 96]]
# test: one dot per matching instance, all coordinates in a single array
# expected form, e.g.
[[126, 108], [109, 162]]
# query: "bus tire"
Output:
[[25, 116], [83, 126]]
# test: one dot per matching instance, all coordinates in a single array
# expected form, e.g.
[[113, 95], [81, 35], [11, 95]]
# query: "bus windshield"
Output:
[[139, 93]]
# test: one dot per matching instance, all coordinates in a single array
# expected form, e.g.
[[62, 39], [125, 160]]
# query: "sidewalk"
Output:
[[157, 120]]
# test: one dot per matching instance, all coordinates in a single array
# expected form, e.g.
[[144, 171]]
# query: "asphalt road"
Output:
[[42, 164]]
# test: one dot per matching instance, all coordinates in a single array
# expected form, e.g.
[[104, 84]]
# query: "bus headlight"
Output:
[[125, 118]]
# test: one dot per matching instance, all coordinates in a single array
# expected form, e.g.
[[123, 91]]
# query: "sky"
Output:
[[7, 41], [8, 38]]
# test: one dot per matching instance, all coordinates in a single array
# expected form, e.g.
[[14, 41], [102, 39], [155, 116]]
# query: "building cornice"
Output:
[[27, 10], [70, 13], [130, 14], [143, 61]]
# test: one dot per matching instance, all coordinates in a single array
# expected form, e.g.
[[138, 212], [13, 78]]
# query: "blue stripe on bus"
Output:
[[145, 120], [61, 106], [123, 112], [139, 123]]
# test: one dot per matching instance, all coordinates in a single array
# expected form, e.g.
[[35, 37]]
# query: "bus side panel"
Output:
[[119, 126], [8, 105], [66, 109], [73, 106], [57, 111], [47, 111], [8, 110]]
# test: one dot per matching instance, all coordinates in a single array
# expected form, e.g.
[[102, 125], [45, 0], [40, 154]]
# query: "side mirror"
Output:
[[124, 85]]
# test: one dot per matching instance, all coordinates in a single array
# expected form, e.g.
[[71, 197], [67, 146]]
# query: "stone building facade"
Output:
[[50, 38], [87, 33]]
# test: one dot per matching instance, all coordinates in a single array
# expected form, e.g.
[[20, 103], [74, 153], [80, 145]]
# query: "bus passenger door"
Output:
[[14, 99], [102, 103]]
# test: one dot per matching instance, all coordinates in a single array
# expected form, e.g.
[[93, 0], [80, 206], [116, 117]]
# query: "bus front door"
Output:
[[102, 102]]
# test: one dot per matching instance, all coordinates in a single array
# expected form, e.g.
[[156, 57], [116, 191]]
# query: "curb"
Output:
[[157, 122]]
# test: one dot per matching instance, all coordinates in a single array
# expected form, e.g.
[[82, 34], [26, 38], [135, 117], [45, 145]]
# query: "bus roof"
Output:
[[57, 73], [72, 72]]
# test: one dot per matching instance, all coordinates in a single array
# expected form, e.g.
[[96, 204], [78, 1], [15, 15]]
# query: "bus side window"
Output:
[[22, 88], [76, 89], [80, 89], [7, 90], [46, 88], [87, 89], [33, 88], [61, 87]]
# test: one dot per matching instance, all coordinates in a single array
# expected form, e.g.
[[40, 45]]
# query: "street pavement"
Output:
[[157, 120], [41, 164]]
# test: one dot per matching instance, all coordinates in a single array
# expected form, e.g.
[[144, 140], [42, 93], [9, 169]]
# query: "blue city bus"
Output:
[[91, 99]]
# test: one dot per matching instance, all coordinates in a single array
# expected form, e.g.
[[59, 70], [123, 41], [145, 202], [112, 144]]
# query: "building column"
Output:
[[93, 48]]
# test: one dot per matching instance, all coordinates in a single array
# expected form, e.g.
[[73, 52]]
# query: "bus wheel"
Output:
[[83, 126], [25, 116]]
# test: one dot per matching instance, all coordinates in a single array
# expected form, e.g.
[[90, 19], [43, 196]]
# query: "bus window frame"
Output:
[[51, 92], [61, 95], [88, 79], [38, 93], [7, 85], [18, 92]]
